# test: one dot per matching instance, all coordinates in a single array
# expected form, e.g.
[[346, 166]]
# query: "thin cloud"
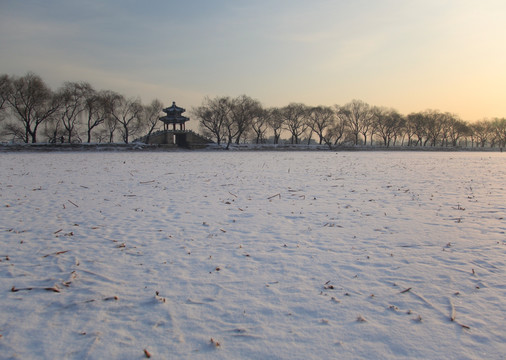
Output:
[[275, 51]]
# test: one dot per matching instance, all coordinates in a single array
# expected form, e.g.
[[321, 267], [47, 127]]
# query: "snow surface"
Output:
[[257, 255]]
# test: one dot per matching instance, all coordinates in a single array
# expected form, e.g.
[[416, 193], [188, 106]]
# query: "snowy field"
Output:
[[253, 255]]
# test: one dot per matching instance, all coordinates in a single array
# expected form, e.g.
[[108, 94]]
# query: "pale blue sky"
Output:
[[410, 55]]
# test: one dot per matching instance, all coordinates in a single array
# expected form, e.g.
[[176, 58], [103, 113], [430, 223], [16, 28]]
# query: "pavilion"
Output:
[[174, 117]]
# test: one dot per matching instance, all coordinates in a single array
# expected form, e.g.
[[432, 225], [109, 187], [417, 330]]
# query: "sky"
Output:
[[411, 55]]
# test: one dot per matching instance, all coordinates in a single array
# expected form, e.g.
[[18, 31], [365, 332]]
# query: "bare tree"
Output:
[[14, 131], [151, 117], [417, 122], [230, 127], [244, 111], [72, 97], [98, 107], [111, 125], [408, 129], [400, 128], [276, 122], [5, 91], [321, 118], [480, 131], [388, 123], [295, 120], [213, 115], [112, 101], [357, 115], [33, 103], [368, 127], [127, 113], [454, 129], [434, 122], [499, 129], [337, 130], [259, 125]]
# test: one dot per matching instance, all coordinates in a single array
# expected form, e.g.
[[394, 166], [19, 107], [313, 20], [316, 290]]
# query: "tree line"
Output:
[[76, 112], [243, 119]]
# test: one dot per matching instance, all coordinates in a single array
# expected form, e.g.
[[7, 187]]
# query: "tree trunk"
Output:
[[33, 134]]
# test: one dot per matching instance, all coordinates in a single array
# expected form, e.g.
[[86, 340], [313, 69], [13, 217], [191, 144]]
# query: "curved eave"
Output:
[[174, 109], [174, 120]]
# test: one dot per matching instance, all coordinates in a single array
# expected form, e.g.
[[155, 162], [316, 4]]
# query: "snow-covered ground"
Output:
[[257, 255]]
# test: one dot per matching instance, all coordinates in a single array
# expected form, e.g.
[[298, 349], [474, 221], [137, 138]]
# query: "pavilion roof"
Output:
[[172, 119], [174, 109]]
